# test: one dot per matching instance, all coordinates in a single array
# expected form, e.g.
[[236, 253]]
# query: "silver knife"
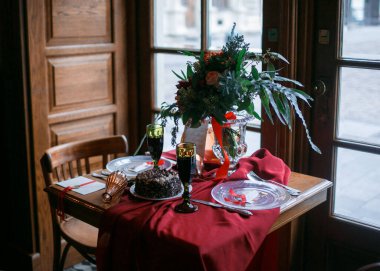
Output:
[[217, 205]]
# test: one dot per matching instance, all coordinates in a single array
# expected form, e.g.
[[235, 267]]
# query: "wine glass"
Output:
[[186, 164], [155, 141]]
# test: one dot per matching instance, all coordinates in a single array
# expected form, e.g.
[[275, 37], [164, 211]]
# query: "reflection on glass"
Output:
[[247, 15], [357, 190], [168, 136], [253, 140], [361, 29], [177, 23], [165, 79], [359, 105]]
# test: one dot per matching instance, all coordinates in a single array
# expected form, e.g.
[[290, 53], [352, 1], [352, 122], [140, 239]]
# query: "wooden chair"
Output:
[[67, 161]]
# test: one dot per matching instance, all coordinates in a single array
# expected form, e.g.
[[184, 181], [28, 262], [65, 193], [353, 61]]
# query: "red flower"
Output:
[[183, 84], [210, 54], [212, 78]]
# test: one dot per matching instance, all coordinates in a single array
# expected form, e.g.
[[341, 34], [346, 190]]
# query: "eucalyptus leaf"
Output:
[[251, 110], [293, 101], [184, 75], [187, 53], [255, 73], [239, 60], [279, 56], [284, 79], [302, 93], [265, 103], [274, 105], [180, 77], [285, 102], [189, 71], [271, 70]]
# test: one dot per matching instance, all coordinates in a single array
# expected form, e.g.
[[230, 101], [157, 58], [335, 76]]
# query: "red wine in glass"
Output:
[[155, 146], [186, 169], [155, 141]]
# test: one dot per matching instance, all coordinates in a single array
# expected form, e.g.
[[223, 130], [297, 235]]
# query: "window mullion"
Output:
[[204, 25]]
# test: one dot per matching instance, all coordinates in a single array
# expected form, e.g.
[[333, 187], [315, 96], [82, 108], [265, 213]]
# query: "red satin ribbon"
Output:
[[222, 172], [160, 162], [61, 196], [235, 198]]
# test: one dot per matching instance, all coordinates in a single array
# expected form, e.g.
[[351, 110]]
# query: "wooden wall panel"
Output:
[[80, 81], [73, 21], [82, 129], [77, 52]]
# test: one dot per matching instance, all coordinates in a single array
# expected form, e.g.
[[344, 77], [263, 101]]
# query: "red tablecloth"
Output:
[[150, 235]]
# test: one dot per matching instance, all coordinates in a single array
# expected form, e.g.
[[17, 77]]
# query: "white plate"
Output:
[[259, 195], [133, 192], [125, 163]]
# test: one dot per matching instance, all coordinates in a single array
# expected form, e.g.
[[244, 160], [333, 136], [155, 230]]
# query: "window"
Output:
[[196, 25]]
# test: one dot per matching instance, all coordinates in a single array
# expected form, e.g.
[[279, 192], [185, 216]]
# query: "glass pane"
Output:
[[165, 80], [361, 29], [357, 189], [168, 136], [248, 17], [253, 141], [177, 23], [359, 105], [257, 103]]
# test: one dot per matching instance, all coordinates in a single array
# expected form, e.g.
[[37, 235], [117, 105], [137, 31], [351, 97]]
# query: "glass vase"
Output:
[[233, 139]]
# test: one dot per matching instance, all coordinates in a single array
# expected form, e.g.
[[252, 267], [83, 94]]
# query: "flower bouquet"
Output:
[[221, 84]]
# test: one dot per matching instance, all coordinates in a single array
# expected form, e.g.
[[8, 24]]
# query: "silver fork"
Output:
[[292, 191]]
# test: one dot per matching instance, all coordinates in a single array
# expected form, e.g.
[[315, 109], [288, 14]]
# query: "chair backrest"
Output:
[[77, 158]]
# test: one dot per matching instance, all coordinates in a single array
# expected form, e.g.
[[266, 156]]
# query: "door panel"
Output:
[[78, 83], [65, 132], [346, 127], [78, 22]]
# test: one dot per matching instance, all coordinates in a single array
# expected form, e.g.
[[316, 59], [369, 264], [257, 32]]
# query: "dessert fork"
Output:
[[292, 191]]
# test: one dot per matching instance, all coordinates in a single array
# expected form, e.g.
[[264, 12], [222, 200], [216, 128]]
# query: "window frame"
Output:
[[281, 16]]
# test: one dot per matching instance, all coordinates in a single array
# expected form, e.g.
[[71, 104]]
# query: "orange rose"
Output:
[[212, 78], [211, 54]]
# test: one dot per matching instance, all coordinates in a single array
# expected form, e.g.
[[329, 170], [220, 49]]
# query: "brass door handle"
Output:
[[319, 88]]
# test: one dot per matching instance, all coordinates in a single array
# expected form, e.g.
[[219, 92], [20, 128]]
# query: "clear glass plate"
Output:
[[259, 195], [133, 192], [127, 163]]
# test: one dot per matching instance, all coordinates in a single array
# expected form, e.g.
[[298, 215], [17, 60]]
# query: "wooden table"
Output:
[[89, 208]]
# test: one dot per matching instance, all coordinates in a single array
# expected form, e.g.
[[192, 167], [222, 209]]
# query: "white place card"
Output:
[[86, 188]]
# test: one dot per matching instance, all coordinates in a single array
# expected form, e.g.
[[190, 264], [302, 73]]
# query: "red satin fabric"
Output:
[[265, 165], [222, 171], [148, 235]]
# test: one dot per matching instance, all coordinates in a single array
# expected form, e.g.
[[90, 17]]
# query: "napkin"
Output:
[[265, 165], [268, 167], [170, 155], [85, 189]]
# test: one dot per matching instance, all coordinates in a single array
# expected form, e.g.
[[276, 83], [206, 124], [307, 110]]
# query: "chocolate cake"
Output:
[[157, 183]]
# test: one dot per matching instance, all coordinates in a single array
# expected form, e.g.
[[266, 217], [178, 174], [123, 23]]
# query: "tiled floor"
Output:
[[83, 266]]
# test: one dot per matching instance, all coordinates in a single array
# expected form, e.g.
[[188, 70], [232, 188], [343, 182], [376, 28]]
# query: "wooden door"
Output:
[[77, 53], [346, 127]]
